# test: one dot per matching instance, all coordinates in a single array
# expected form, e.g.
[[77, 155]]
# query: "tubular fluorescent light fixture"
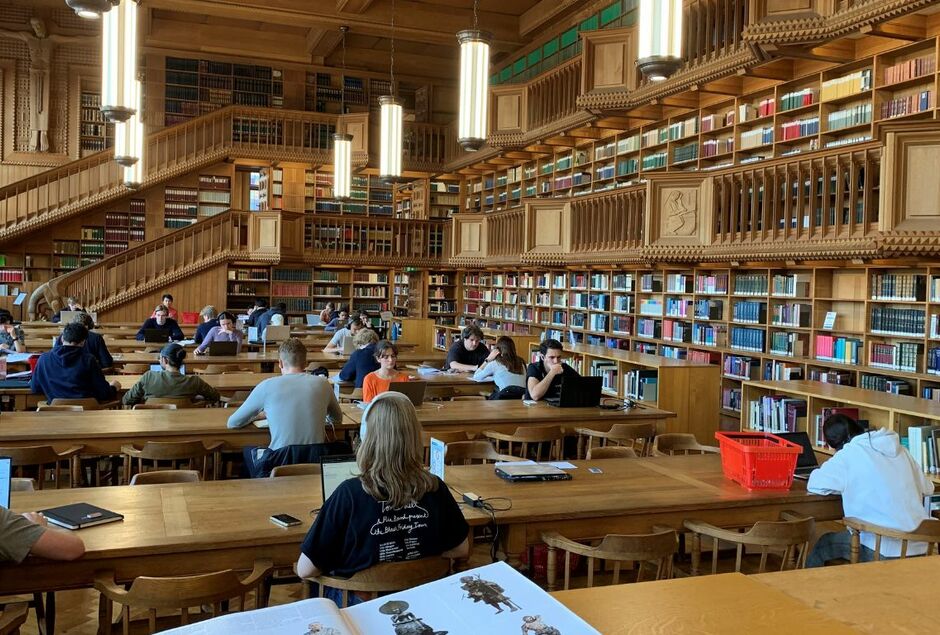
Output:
[[342, 165], [126, 147], [91, 9], [119, 61], [659, 53], [474, 90], [390, 119], [134, 128]]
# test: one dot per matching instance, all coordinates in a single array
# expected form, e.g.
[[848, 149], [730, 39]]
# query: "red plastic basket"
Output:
[[758, 460]]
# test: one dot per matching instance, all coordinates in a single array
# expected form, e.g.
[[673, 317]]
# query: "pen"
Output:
[[92, 515]]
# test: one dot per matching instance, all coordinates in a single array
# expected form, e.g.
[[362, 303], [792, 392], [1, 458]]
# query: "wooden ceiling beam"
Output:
[[568, 142], [804, 54], [613, 123], [519, 155], [764, 72], [544, 13], [540, 149], [887, 31], [713, 90], [433, 67], [322, 42], [586, 133], [353, 6]]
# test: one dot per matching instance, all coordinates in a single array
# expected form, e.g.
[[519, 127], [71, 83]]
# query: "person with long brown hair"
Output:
[[505, 368], [394, 510]]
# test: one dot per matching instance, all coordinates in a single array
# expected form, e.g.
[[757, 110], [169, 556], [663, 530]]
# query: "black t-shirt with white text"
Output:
[[459, 353], [353, 531]]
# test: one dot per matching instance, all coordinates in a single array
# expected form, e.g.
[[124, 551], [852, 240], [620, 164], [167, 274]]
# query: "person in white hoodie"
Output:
[[879, 482]]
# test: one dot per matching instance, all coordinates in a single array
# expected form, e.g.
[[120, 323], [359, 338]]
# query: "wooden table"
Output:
[[630, 496], [256, 361], [705, 605], [126, 342]]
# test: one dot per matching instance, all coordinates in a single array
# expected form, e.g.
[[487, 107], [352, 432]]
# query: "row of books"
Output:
[[622, 324], [776, 413], [713, 147], [706, 309], [676, 331], [909, 69], [799, 98], [747, 339], [846, 85], [642, 385], [292, 290], [763, 108], [898, 286], [789, 344], [678, 307], [924, 444], [891, 320], [799, 128], [750, 312], [685, 153], [757, 137], [707, 335], [731, 399], [750, 284], [11, 275], [883, 384], [839, 349], [795, 314], [717, 284], [649, 328], [850, 116], [775, 370], [295, 305], [907, 104], [903, 356], [607, 370], [653, 161], [716, 121], [651, 306], [241, 288]]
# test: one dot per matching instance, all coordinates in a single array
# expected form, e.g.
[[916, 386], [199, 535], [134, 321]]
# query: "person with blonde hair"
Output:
[[362, 361], [210, 320], [394, 510]]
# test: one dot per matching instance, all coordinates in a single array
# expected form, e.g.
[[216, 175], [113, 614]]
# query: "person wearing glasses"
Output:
[[378, 381]]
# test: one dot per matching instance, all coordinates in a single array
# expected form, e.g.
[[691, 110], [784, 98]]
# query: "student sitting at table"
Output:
[[70, 371], [209, 322], [12, 339], [225, 331], [337, 322], [73, 305], [30, 534], [255, 312], [361, 524], [295, 404], [880, 483], [377, 382], [362, 361], [167, 301], [336, 342], [168, 382], [327, 313], [265, 319], [161, 320], [543, 378], [505, 368], [94, 344], [468, 353]]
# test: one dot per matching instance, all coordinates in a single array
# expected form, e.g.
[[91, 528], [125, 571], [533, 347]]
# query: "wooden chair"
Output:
[[135, 369], [154, 406], [12, 617], [638, 436], [179, 402], [298, 469], [610, 452], [928, 531], [387, 577], [88, 403], [468, 452], [656, 548], [22, 484], [176, 594], [680, 443], [211, 369], [791, 533], [447, 436], [348, 393], [46, 407], [238, 398], [160, 477], [42, 457], [530, 435], [172, 451]]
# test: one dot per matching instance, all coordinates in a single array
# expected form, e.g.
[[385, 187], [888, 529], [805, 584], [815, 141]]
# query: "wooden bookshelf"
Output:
[[95, 133], [441, 296], [180, 205], [369, 195], [338, 93], [215, 194], [244, 284]]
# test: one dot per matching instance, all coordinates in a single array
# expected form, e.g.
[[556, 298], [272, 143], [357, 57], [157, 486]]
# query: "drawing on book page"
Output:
[[480, 590], [316, 628], [406, 622], [533, 625]]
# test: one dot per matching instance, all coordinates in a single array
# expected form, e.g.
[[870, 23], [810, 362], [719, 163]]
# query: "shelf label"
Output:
[[830, 321]]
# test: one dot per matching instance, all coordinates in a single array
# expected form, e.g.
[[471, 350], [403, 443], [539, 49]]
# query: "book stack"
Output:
[[883, 384], [842, 350], [799, 128], [776, 413], [799, 98], [704, 357], [750, 312], [783, 371], [709, 309], [757, 137], [651, 306], [678, 307], [649, 328], [850, 116], [795, 315], [740, 367], [712, 284], [708, 335], [841, 377], [641, 385], [750, 284], [714, 147], [676, 331], [789, 344]]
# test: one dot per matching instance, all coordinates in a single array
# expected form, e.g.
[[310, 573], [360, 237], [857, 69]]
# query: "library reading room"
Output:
[[565, 317]]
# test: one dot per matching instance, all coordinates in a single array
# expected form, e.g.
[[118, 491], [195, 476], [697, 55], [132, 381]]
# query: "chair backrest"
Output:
[[611, 452], [39, 457], [172, 451], [297, 469], [680, 443], [526, 435], [88, 403], [928, 531], [178, 594], [388, 577], [467, 452], [13, 617], [165, 476], [135, 369], [792, 534], [22, 484], [638, 436], [48, 407], [154, 406], [657, 548], [179, 402]]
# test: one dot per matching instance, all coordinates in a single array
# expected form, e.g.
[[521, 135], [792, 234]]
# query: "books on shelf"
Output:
[[843, 350], [910, 69], [922, 442], [748, 339], [894, 321], [776, 413], [846, 85], [903, 357], [898, 286], [799, 98], [641, 385], [741, 367], [884, 384], [750, 284], [908, 104]]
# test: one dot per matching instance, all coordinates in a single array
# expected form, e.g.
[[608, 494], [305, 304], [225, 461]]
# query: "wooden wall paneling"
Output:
[[191, 293], [548, 226], [510, 109], [609, 60], [910, 189]]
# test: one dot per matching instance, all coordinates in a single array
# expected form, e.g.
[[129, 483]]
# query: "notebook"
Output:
[[335, 469], [413, 389], [531, 472], [80, 515], [223, 348], [6, 475], [578, 392], [156, 335], [807, 461]]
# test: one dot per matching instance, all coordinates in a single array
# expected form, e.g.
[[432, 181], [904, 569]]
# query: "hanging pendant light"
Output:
[[342, 144], [91, 9], [474, 91], [660, 38], [119, 61], [126, 147], [134, 172], [390, 122]]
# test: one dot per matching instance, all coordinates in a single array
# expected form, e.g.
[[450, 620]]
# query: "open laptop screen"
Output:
[[6, 474], [336, 469], [807, 460]]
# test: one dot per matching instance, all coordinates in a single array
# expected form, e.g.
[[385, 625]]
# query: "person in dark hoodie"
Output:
[[278, 309], [70, 371], [94, 344], [164, 322]]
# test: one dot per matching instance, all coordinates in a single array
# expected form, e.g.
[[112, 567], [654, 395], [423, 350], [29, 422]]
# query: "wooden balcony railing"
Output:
[[264, 133], [347, 239], [505, 233], [828, 196], [610, 221], [713, 27], [554, 95], [141, 269]]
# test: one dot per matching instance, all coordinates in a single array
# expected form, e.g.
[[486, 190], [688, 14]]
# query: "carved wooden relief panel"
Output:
[[678, 210]]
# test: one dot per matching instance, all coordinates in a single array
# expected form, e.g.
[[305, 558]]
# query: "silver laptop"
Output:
[[531, 472], [276, 333], [413, 389], [334, 470], [313, 320], [6, 476]]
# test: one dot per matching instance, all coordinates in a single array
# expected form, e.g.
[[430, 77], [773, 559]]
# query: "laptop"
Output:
[[578, 392], [223, 348], [413, 389], [807, 462], [347, 347], [336, 468], [67, 317], [155, 336], [313, 320], [531, 472], [157, 368], [6, 478], [276, 333]]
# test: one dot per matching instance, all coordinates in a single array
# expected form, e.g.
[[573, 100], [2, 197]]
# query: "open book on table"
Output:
[[491, 599]]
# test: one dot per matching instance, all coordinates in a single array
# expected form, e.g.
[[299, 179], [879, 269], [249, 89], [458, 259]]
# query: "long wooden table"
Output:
[[256, 361], [630, 496], [128, 343]]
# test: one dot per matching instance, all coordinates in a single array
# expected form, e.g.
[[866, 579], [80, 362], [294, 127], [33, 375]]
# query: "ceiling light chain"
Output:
[[392, 55], [474, 89], [342, 141]]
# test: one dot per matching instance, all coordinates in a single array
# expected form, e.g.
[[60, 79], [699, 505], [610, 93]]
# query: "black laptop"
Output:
[[807, 461], [578, 392], [155, 336], [223, 348]]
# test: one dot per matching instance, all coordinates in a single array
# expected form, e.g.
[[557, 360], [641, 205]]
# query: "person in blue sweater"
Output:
[[209, 320], [362, 361], [161, 320], [278, 309], [95, 344], [70, 371]]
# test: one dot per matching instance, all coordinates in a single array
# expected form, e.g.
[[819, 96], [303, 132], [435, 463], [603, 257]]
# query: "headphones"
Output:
[[614, 403], [363, 423]]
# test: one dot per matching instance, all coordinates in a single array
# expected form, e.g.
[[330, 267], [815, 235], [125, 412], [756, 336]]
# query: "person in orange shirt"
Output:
[[377, 382]]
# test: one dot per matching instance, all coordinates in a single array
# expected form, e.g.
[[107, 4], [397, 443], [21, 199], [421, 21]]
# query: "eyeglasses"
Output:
[[389, 357]]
